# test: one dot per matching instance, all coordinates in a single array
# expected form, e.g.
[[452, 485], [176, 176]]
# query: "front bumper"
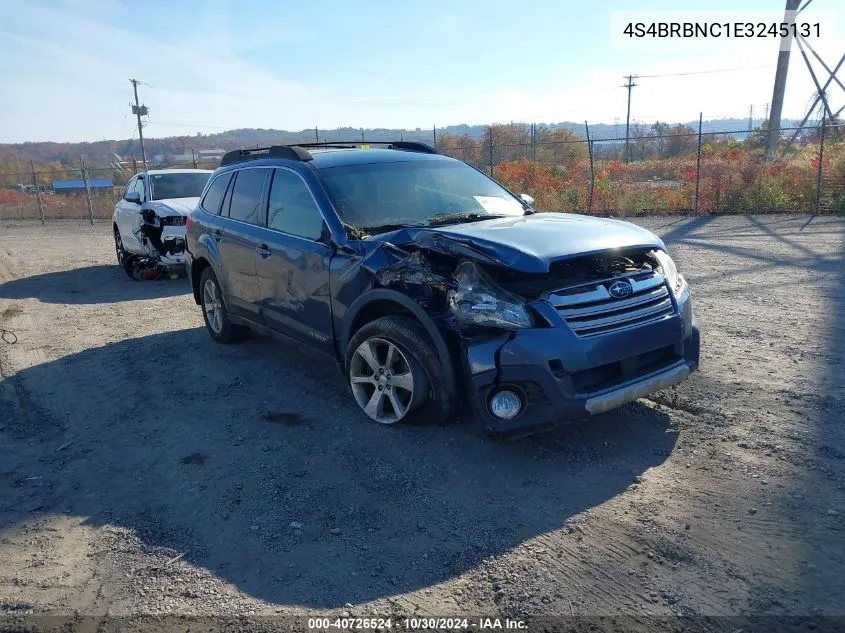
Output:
[[562, 377]]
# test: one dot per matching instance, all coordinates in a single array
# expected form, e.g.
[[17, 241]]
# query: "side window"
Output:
[[214, 196], [246, 196], [292, 208], [139, 187]]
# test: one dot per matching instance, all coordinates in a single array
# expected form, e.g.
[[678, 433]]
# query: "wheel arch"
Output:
[[197, 267], [381, 302], [206, 256]]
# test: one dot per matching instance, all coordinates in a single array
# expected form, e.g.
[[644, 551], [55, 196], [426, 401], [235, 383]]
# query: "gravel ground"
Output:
[[147, 471]]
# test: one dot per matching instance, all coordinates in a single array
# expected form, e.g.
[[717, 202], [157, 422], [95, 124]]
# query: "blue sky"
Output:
[[222, 64]]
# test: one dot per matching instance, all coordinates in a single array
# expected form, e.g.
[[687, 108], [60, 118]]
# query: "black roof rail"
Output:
[[290, 152], [412, 146]]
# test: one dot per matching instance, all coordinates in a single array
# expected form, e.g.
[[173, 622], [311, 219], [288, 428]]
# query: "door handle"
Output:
[[264, 251]]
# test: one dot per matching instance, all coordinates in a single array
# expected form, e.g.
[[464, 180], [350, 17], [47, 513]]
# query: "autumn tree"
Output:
[[561, 146], [660, 132], [681, 140], [642, 144], [510, 142], [465, 147]]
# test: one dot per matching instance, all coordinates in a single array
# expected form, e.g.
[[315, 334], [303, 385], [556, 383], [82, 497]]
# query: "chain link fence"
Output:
[[83, 193], [680, 171], [661, 169]]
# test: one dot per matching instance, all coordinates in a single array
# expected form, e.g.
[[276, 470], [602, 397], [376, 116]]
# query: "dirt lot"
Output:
[[145, 469]]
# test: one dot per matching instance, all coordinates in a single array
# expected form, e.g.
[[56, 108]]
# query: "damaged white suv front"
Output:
[[149, 221]]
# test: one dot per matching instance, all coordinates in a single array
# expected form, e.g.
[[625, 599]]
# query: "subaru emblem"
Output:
[[620, 289]]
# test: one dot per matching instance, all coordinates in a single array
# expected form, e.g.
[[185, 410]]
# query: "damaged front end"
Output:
[[539, 349], [162, 237]]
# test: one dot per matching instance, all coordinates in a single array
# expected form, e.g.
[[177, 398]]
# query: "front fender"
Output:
[[386, 294]]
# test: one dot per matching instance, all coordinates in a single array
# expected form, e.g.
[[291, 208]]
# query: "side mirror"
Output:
[[527, 199], [133, 196]]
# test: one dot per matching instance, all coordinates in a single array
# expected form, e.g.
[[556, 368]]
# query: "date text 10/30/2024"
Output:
[[416, 624]]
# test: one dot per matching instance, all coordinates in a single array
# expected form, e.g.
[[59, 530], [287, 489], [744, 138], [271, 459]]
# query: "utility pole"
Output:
[[698, 161], [629, 85], [750, 119], [37, 192], [821, 163], [20, 171], [138, 110], [87, 182], [780, 80]]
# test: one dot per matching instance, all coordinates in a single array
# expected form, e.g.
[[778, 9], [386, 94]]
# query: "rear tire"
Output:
[[394, 353], [214, 311]]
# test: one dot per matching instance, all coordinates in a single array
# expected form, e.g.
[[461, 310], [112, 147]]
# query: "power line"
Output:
[[190, 125], [707, 72]]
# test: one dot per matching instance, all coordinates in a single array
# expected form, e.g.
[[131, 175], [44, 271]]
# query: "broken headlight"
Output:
[[668, 269], [479, 301]]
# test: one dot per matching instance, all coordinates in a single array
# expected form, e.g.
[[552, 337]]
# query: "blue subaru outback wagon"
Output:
[[433, 287]]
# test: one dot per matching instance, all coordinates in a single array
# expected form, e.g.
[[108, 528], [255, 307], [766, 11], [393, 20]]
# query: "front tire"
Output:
[[395, 375], [119, 250], [214, 311]]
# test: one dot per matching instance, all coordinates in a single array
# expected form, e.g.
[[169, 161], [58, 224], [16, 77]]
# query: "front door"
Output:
[[129, 216], [293, 263]]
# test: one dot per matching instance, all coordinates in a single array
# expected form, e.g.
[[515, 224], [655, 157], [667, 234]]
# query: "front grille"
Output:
[[589, 309], [173, 220]]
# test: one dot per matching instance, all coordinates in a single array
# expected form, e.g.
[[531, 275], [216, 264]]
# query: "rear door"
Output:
[[238, 235], [293, 262]]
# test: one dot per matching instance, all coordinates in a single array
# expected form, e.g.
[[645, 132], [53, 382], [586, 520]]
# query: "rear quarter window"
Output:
[[214, 196]]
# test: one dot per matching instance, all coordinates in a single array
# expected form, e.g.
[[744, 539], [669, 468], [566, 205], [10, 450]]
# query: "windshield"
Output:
[[186, 185], [415, 192]]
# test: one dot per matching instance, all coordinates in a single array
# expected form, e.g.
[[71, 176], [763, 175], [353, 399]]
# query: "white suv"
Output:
[[149, 222]]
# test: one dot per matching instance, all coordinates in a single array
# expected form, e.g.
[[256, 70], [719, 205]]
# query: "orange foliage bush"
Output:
[[732, 180]]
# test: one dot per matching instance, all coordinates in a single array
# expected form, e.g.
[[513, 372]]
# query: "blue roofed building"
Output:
[[78, 185]]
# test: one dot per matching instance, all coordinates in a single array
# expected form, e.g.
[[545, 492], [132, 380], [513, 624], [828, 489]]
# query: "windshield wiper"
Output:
[[384, 228], [449, 218]]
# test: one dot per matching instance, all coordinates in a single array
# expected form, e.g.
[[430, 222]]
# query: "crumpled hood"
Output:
[[528, 243], [174, 206]]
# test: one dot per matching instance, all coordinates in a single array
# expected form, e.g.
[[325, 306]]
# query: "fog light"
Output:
[[505, 405]]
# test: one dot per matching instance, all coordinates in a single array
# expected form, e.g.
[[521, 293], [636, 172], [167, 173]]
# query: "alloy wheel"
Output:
[[382, 380], [213, 306]]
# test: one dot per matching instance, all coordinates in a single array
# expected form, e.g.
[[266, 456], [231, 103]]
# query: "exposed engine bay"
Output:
[[149, 232], [434, 279], [575, 271]]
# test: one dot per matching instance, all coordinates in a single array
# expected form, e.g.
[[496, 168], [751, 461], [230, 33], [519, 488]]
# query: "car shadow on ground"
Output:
[[92, 284], [253, 461]]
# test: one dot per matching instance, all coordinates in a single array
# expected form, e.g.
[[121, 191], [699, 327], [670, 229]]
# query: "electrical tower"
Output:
[[139, 110], [780, 81], [821, 94]]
